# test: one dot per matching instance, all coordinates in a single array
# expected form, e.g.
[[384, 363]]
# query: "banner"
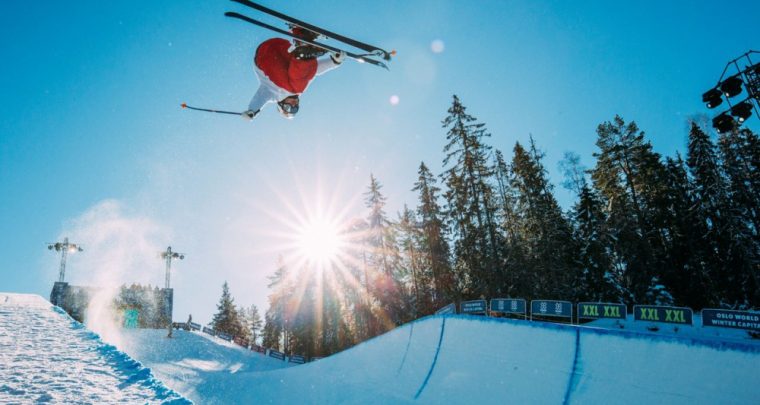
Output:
[[224, 336], [654, 313], [208, 331], [277, 355], [562, 309], [725, 318], [475, 307], [508, 305], [298, 359], [130, 318], [195, 326], [600, 310], [448, 309]]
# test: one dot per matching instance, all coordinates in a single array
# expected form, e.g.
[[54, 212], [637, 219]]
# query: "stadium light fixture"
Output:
[[168, 255], [745, 78], [65, 248]]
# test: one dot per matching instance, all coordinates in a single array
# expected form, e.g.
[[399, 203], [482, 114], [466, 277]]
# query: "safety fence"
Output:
[[244, 343], [563, 311], [545, 310]]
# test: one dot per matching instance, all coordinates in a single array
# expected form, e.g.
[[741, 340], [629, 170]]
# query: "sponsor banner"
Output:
[[600, 310], [208, 331], [298, 359], [475, 307], [224, 336], [130, 318], [277, 355], [551, 308], [195, 326], [655, 313], [448, 309], [508, 305], [725, 318]]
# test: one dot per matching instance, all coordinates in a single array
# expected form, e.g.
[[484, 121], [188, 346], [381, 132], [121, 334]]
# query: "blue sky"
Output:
[[94, 146]]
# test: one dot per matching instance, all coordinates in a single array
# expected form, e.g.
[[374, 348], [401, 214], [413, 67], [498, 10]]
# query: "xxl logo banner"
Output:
[[600, 310], [654, 313]]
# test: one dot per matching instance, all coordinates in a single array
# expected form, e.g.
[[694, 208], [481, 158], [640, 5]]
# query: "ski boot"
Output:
[[303, 50]]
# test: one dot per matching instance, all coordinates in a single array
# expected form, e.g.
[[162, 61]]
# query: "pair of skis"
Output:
[[371, 52]]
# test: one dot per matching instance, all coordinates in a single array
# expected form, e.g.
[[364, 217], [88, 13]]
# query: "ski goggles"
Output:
[[286, 105]]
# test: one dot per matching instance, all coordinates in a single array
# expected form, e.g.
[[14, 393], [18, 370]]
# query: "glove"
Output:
[[248, 115], [338, 57]]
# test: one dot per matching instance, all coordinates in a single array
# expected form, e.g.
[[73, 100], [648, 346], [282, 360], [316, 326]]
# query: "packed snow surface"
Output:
[[47, 357], [475, 360], [200, 366]]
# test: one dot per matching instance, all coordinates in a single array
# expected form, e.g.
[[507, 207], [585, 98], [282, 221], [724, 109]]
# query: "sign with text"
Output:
[[475, 307], [448, 309], [224, 336], [508, 305], [655, 313], [208, 331], [298, 359], [600, 310], [563, 309], [277, 355], [195, 326], [725, 318]]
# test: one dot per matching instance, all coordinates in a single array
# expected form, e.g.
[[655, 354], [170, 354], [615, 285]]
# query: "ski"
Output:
[[373, 50], [354, 56], [184, 105]]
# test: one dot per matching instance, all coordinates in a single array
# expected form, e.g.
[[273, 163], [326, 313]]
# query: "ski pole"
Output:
[[184, 105]]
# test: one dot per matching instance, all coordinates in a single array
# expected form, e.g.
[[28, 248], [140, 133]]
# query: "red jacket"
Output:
[[282, 68]]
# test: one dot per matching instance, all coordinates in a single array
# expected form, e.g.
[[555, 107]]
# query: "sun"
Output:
[[320, 241]]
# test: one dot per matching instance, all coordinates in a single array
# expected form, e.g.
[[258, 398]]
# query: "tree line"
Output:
[[644, 229]]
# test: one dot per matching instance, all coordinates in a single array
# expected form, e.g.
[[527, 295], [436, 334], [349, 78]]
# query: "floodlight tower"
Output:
[[747, 78], [168, 255], [65, 248]]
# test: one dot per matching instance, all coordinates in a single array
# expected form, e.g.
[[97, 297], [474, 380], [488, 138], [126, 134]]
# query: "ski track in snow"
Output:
[[47, 357]]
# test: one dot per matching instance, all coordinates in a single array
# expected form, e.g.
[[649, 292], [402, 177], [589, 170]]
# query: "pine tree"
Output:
[[599, 281], [513, 273], [471, 199], [227, 318], [411, 271], [281, 286], [550, 262], [741, 282], [631, 180], [382, 259], [433, 244], [692, 262], [255, 323]]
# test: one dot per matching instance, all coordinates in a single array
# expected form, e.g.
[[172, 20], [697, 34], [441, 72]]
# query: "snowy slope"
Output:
[[466, 360], [45, 356], [199, 366]]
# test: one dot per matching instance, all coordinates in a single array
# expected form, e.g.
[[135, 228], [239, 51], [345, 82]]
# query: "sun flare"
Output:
[[320, 241]]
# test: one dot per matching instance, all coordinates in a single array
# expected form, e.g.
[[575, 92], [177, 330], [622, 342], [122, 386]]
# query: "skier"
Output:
[[285, 71]]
